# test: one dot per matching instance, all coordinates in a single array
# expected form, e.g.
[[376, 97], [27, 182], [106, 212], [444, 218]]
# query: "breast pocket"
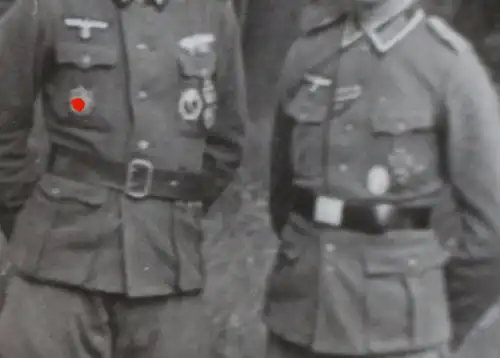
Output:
[[80, 81], [308, 111], [406, 140], [405, 295], [197, 102]]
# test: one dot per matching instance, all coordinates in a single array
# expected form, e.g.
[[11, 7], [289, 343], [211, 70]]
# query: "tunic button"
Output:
[[343, 168], [348, 127], [401, 126], [382, 99], [330, 248], [142, 46], [86, 60], [174, 183], [142, 95], [142, 144], [55, 191]]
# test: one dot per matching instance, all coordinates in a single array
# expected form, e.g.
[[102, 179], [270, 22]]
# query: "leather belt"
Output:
[[138, 178], [356, 216]]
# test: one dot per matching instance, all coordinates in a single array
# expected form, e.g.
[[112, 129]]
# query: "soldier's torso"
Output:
[[123, 85], [341, 290], [131, 69]]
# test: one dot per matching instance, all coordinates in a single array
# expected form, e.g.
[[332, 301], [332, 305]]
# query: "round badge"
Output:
[[190, 104], [378, 180], [209, 117], [81, 101]]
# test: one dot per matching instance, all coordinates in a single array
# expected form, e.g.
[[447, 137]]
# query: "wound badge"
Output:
[[81, 101], [190, 104], [209, 117]]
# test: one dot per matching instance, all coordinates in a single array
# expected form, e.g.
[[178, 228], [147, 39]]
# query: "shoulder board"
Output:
[[447, 34]]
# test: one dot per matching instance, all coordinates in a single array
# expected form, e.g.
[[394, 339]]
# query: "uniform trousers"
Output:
[[280, 348], [47, 321]]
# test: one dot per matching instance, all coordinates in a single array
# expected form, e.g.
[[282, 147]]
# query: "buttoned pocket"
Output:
[[408, 141], [197, 103], [64, 220], [79, 84], [405, 295], [308, 110]]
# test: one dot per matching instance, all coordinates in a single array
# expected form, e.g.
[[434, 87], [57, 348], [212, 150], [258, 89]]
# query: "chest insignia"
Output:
[[345, 95], [190, 104], [85, 26], [81, 101], [317, 82]]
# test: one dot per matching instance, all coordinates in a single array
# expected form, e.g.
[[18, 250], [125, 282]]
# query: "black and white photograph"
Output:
[[249, 179]]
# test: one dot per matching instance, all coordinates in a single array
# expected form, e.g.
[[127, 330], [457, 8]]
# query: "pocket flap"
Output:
[[58, 188], [402, 121], [86, 55], [405, 255]]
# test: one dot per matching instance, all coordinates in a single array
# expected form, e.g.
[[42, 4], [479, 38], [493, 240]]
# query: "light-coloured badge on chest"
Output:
[[345, 95], [198, 43], [192, 103], [81, 101], [378, 180], [85, 26]]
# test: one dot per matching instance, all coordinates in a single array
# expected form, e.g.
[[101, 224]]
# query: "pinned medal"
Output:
[[379, 183], [81, 101], [378, 180], [209, 93], [190, 104], [209, 117]]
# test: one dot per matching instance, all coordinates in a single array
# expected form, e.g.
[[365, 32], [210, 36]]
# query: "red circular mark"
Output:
[[78, 104]]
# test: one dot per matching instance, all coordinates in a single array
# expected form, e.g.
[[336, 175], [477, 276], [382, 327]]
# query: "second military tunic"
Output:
[[371, 125]]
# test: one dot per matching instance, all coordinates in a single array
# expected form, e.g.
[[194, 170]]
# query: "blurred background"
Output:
[[240, 245]]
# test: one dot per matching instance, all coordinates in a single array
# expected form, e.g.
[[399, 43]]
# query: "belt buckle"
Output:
[[137, 168], [328, 210]]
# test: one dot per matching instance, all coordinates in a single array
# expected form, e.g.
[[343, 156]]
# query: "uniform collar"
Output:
[[159, 4], [394, 20]]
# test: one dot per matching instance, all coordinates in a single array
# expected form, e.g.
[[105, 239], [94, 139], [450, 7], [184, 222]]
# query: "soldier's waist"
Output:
[[138, 178], [363, 215]]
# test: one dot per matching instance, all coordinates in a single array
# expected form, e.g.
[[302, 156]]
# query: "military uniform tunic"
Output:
[[164, 95], [371, 125]]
